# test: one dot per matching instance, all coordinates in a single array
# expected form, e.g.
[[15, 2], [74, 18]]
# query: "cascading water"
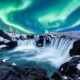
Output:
[[25, 44], [55, 54]]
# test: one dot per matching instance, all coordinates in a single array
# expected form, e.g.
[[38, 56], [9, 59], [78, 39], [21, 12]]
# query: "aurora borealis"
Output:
[[39, 16]]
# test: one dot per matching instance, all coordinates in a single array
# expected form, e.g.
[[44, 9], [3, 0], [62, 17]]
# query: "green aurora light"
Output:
[[39, 16]]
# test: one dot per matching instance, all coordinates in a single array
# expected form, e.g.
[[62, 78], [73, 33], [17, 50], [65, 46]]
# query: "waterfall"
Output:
[[44, 43], [29, 42], [56, 53], [25, 44]]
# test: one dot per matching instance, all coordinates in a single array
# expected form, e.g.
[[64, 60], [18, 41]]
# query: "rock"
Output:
[[48, 39], [6, 40], [30, 36], [4, 35], [75, 49], [68, 71], [21, 37], [34, 74], [9, 72], [1, 42], [40, 41], [11, 44]]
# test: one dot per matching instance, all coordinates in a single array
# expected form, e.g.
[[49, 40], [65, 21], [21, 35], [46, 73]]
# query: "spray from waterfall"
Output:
[[56, 53]]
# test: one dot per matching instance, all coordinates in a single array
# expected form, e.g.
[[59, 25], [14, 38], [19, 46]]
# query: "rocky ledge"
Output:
[[68, 71], [9, 39], [39, 39], [9, 72], [6, 41], [73, 35]]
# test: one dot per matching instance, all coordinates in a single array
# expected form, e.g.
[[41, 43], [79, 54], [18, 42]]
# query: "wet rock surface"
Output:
[[40, 41], [75, 49], [68, 71], [8, 72]]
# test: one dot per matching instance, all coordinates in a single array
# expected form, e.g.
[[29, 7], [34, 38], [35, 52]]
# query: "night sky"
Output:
[[39, 16]]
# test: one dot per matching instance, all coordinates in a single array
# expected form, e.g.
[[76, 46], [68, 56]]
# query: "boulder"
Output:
[[75, 49]]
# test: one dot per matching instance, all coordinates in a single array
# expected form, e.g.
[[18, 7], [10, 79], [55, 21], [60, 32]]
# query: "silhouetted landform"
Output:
[[67, 71]]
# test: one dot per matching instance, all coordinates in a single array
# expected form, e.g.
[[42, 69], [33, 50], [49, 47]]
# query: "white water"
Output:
[[55, 54], [25, 44]]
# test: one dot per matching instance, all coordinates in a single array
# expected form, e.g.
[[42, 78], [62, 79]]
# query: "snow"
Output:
[[78, 66], [3, 46]]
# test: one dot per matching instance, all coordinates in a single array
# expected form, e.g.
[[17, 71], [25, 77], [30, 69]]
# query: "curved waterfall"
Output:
[[50, 56], [56, 53]]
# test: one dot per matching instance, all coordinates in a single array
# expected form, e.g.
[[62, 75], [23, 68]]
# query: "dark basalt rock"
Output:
[[11, 44], [4, 35], [21, 37], [76, 48], [7, 41], [34, 74], [40, 42], [1, 42], [68, 71], [47, 39], [8, 72], [30, 36]]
